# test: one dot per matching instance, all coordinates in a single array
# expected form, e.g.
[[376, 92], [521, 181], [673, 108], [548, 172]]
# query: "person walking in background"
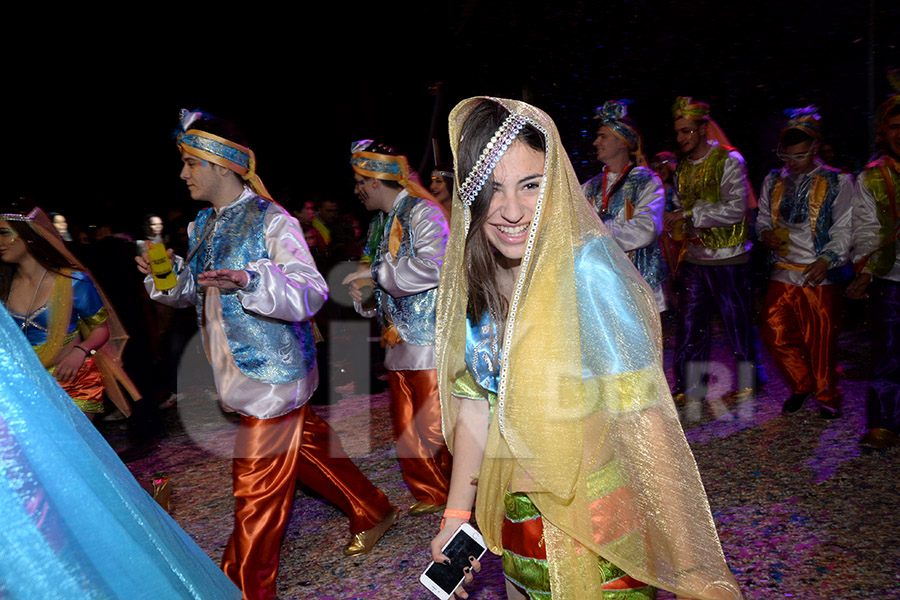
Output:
[[405, 253], [805, 218], [876, 256], [714, 198], [628, 196], [72, 327]]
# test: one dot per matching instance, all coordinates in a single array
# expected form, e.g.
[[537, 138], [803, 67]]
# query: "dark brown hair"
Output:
[[480, 257], [36, 245]]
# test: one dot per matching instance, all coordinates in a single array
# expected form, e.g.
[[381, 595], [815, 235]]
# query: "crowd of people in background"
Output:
[[775, 261], [640, 198]]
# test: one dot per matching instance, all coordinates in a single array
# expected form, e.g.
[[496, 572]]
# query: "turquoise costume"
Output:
[[412, 315], [637, 190], [75, 524], [86, 306], [289, 353]]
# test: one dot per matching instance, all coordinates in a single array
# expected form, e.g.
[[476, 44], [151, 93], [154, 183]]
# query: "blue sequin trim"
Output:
[[376, 166], [217, 148]]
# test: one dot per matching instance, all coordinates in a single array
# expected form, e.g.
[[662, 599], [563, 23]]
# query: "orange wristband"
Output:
[[452, 513]]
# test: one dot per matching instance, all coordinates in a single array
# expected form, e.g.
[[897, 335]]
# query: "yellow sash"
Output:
[[817, 191]]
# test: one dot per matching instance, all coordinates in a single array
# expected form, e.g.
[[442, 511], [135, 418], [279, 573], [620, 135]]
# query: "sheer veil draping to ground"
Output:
[[74, 523], [584, 420]]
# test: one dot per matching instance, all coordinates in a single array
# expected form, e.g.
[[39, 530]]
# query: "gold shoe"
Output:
[[738, 395], [362, 542], [423, 508], [880, 439], [680, 398]]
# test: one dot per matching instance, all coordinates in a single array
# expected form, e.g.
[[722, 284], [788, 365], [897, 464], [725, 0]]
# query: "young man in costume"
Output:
[[715, 197], [876, 256], [805, 218], [256, 287], [628, 195], [403, 260]]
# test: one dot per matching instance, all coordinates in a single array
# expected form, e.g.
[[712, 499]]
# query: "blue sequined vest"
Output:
[[266, 350], [414, 315], [649, 259]]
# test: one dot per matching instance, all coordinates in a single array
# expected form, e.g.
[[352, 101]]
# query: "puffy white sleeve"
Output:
[[764, 219], [733, 206], [866, 226], [646, 222], [287, 285], [421, 270]]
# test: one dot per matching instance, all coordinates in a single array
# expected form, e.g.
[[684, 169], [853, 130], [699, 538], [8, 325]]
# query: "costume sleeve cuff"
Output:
[[831, 256], [252, 282]]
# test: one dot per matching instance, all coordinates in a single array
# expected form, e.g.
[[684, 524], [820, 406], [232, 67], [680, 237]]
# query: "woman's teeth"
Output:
[[517, 230]]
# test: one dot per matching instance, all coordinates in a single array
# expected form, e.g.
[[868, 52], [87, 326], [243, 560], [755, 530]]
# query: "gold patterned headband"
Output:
[[220, 151]]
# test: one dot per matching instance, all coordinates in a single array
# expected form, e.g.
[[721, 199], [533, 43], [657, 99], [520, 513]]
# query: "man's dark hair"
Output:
[[792, 137], [222, 128]]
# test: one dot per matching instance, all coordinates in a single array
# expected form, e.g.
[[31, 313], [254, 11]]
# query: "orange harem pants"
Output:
[[416, 413], [270, 455], [800, 328]]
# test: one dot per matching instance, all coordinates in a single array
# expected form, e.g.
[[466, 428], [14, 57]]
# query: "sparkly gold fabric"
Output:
[[581, 386]]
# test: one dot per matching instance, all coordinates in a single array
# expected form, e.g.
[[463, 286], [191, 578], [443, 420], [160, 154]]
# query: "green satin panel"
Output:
[[532, 574]]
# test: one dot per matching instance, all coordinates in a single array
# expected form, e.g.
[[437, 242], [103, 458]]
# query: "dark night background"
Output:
[[92, 97]]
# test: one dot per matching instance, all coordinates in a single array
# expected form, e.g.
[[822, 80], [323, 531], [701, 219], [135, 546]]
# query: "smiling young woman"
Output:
[[67, 320], [553, 395]]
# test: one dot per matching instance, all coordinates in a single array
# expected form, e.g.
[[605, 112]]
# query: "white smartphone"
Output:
[[441, 579]]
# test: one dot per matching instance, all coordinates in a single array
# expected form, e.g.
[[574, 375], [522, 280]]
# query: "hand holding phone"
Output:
[[442, 579]]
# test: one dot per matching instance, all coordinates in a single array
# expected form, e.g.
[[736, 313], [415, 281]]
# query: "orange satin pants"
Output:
[[416, 413], [86, 390], [800, 328], [270, 455]]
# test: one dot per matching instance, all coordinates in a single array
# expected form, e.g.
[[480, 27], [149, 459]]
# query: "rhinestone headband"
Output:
[[19, 217], [490, 156]]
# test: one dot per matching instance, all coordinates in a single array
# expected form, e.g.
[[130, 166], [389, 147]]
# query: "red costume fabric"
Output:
[[416, 414], [267, 464]]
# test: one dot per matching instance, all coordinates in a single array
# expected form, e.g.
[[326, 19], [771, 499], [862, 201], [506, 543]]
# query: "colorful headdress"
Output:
[[805, 119], [490, 155], [219, 151], [612, 115], [666, 157], [686, 108], [392, 167]]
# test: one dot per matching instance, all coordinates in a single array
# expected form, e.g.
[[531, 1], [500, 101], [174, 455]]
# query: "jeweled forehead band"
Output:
[[490, 156], [19, 216]]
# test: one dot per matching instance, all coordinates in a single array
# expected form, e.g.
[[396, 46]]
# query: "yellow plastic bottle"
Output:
[[161, 267]]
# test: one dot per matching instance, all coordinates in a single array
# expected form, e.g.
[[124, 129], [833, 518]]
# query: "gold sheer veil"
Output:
[[584, 420]]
